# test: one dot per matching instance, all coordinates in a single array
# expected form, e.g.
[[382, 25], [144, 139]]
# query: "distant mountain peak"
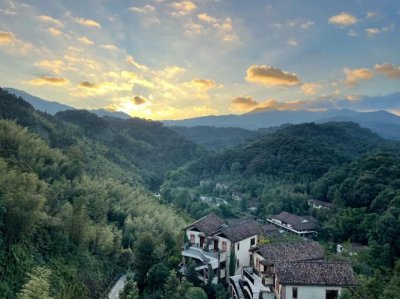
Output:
[[52, 107]]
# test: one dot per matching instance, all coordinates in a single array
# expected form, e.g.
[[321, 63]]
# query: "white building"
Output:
[[291, 271], [212, 240]]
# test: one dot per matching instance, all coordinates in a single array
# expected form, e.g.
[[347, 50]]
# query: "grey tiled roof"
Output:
[[315, 273], [297, 222], [242, 230], [301, 251], [208, 224]]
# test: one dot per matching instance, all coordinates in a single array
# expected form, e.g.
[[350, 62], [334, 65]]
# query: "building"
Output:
[[210, 242], [291, 271], [305, 280], [300, 225], [318, 204]]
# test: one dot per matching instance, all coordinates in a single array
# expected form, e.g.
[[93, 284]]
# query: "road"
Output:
[[118, 287]]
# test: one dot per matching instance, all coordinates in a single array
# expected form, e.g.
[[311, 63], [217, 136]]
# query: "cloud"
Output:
[[55, 65], [352, 33], [54, 31], [371, 32], [87, 22], [389, 70], [307, 24], [143, 9], [132, 61], [48, 80], [204, 84], [7, 37], [51, 20], [223, 27], [183, 8], [269, 75], [343, 19], [371, 14], [292, 43], [87, 84], [353, 76], [206, 18], [244, 103], [310, 88], [109, 47], [84, 40], [138, 100]]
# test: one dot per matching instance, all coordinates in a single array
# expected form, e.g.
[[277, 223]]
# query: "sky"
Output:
[[170, 59]]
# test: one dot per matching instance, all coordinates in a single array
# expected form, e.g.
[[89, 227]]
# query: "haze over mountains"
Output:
[[382, 122], [52, 107]]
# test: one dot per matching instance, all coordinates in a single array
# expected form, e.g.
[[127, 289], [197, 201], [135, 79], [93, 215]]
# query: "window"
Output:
[[192, 238], [238, 246], [294, 294], [224, 246], [332, 294], [237, 263], [257, 263]]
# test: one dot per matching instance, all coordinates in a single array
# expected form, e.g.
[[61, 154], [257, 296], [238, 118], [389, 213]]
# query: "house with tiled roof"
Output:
[[316, 279], [291, 271], [300, 225], [211, 242]]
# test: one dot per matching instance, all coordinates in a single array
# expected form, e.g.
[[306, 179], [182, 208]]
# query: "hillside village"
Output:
[[236, 253]]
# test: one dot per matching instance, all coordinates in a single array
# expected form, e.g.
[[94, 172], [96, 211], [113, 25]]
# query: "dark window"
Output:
[[237, 263], [238, 246], [253, 242], [332, 294], [294, 293]]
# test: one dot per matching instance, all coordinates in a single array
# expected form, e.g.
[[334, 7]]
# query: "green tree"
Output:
[[195, 293], [38, 285], [143, 256], [130, 290], [232, 263]]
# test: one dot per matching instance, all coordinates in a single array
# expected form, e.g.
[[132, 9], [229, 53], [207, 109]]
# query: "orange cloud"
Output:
[[48, 80], [353, 76], [84, 40], [310, 88], [48, 19], [343, 19], [54, 31], [87, 22], [138, 100], [204, 84], [183, 8], [109, 47], [7, 37], [132, 61], [244, 103], [87, 84], [269, 75], [206, 18], [389, 70]]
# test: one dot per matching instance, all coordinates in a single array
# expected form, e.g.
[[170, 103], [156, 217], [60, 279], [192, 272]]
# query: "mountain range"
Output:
[[382, 122]]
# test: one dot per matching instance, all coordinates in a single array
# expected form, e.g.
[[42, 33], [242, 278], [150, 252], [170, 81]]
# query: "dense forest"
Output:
[[75, 207], [341, 163]]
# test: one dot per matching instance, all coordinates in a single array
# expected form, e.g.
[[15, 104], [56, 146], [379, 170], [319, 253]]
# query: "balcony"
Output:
[[255, 284], [206, 257]]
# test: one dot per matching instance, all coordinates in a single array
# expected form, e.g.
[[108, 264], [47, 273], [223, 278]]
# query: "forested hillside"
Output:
[[74, 213], [341, 163]]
